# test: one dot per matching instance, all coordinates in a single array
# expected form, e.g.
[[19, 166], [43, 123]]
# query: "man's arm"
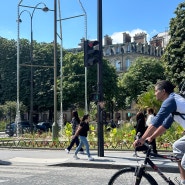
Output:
[[157, 133], [77, 131], [150, 130]]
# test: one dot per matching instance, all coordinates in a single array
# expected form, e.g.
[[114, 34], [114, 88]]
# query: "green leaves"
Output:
[[143, 73], [174, 55]]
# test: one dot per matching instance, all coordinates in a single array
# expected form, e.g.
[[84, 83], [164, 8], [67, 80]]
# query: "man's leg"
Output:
[[179, 151], [153, 143], [77, 143], [182, 171], [71, 144]]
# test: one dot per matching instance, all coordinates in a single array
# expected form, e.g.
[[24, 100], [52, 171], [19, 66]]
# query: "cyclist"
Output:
[[172, 109]]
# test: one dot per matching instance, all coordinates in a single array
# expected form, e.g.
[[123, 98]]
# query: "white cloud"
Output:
[[117, 37]]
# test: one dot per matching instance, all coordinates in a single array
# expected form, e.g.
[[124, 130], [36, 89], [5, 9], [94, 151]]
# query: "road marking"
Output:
[[3, 180], [38, 160]]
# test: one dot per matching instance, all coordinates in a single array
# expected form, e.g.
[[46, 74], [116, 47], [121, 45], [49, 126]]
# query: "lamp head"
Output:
[[45, 9], [19, 20]]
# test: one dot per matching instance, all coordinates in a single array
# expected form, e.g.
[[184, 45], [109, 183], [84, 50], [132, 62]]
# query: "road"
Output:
[[46, 175], [53, 175], [55, 167]]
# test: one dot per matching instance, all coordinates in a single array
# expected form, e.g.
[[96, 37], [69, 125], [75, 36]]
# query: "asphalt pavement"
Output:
[[110, 159]]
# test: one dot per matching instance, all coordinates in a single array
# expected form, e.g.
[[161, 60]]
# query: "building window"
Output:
[[118, 65], [128, 63], [117, 50], [107, 51]]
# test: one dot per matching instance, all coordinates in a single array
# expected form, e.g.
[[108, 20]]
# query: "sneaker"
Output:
[[67, 151], [135, 155], [90, 158], [81, 152], [76, 157]]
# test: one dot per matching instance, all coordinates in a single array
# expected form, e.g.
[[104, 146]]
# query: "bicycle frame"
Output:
[[147, 160]]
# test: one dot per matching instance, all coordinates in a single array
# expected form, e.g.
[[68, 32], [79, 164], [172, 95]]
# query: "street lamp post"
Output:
[[55, 125], [45, 9], [17, 119], [85, 19], [61, 60]]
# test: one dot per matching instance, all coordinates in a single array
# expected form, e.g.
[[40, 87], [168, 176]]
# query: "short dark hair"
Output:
[[75, 115], [166, 85], [150, 110], [85, 117]]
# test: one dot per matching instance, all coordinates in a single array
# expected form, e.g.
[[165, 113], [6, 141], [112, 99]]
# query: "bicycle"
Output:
[[138, 175]]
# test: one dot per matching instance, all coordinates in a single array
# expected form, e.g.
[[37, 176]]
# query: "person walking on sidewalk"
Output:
[[82, 132], [75, 123], [150, 116], [140, 127]]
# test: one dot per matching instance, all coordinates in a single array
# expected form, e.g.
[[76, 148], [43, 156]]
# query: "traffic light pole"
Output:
[[99, 82]]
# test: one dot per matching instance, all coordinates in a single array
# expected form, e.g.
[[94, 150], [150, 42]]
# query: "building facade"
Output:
[[122, 55]]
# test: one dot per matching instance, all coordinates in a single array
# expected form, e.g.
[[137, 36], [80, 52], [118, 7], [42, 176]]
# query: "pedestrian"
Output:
[[140, 127], [171, 110], [140, 123], [75, 123], [82, 132], [150, 116]]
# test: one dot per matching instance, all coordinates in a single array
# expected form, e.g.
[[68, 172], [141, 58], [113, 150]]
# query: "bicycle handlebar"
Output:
[[148, 145]]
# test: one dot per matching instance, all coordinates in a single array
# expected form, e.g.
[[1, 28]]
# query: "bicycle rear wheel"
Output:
[[126, 176]]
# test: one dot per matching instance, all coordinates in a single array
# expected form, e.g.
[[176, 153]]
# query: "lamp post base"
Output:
[[54, 131]]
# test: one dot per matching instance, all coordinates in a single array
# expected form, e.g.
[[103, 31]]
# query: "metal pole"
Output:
[[85, 19], [31, 75], [61, 66], [100, 86], [18, 117], [55, 125]]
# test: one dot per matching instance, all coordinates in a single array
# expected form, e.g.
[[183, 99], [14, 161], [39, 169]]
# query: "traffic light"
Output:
[[94, 97], [103, 117], [91, 53]]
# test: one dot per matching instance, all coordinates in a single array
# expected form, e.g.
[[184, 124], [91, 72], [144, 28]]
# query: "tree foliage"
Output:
[[74, 80], [143, 73], [8, 110], [43, 76], [148, 99], [174, 56], [7, 70]]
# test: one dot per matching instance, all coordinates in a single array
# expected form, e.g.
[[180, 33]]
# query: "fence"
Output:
[[48, 144]]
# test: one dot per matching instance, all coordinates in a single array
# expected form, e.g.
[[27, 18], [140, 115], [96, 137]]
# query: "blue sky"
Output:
[[131, 16]]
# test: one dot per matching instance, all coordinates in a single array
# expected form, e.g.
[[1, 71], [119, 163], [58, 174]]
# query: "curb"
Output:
[[163, 168]]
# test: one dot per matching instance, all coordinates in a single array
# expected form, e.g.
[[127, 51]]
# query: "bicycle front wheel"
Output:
[[126, 176]]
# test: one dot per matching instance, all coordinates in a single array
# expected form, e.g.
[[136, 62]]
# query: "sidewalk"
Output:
[[111, 159]]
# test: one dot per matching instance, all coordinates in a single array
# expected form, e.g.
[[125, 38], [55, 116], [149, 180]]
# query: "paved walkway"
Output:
[[111, 159]]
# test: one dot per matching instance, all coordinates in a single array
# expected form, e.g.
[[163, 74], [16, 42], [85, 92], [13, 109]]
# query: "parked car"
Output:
[[44, 126], [11, 128], [24, 127]]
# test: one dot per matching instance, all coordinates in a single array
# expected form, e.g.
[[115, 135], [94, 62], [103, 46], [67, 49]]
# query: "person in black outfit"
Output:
[[140, 127], [82, 131], [75, 123]]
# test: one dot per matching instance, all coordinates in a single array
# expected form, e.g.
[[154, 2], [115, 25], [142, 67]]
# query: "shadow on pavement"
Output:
[[5, 162]]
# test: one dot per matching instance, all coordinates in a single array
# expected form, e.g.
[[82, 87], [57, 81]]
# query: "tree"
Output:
[[8, 110], [174, 56], [74, 80], [7, 70], [148, 99], [143, 73]]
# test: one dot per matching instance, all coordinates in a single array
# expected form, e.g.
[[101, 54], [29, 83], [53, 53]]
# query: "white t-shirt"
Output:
[[149, 119]]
